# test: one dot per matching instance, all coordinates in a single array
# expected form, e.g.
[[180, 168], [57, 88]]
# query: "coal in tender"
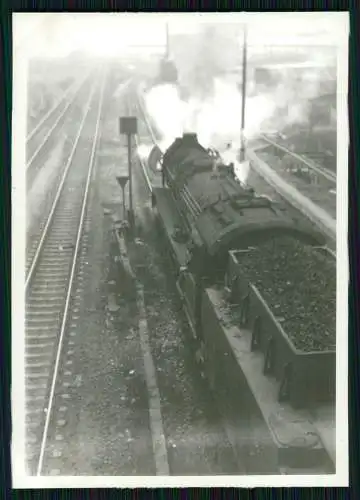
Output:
[[298, 283]]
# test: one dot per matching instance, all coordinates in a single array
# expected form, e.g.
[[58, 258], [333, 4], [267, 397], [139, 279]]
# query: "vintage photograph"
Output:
[[180, 249]]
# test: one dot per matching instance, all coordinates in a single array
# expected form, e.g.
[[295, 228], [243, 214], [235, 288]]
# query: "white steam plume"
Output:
[[215, 118], [213, 108]]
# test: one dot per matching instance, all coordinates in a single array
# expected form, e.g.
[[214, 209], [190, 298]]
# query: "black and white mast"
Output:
[[244, 64]]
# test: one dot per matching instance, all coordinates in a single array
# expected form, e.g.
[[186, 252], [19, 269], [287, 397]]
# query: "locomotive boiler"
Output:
[[205, 212]]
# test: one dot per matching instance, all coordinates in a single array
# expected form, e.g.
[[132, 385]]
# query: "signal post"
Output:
[[128, 127]]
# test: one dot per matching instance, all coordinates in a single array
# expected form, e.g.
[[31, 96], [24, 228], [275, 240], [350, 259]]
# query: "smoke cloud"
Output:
[[212, 108], [216, 117]]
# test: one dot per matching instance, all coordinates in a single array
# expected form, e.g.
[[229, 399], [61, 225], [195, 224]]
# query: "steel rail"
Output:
[[57, 196], [311, 165], [149, 127], [76, 85], [71, 280], [142, 163], [294, 197], [55, 124]]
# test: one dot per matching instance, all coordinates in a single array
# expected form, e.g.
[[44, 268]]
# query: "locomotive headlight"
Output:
[[144, 151], [155, 158]]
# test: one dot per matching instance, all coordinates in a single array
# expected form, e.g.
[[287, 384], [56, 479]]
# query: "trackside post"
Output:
[[128, 127]]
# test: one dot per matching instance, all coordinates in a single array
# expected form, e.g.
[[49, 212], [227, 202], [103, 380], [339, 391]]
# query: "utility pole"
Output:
[[244, 64], [130, 178], [167, 49]]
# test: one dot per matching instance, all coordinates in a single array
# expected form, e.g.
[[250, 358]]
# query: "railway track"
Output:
[[51, 176], [308, 186], [315, 167], [45, 129], [50, 275], [145, 133], [100, 412]]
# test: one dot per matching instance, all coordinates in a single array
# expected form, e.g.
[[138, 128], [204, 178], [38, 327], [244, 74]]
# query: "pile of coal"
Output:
[[298, 283]]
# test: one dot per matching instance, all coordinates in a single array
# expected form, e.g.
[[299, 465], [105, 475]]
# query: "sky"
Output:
[[57, 34]]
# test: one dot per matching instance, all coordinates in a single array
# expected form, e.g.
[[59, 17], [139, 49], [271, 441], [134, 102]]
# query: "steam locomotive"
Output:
[[205, 212], [208, 219]]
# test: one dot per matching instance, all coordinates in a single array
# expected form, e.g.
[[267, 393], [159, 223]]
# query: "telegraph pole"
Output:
[[244, 64], [131, 208]]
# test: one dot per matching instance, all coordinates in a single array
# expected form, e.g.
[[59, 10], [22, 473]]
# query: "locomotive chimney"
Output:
[[190, 138]]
